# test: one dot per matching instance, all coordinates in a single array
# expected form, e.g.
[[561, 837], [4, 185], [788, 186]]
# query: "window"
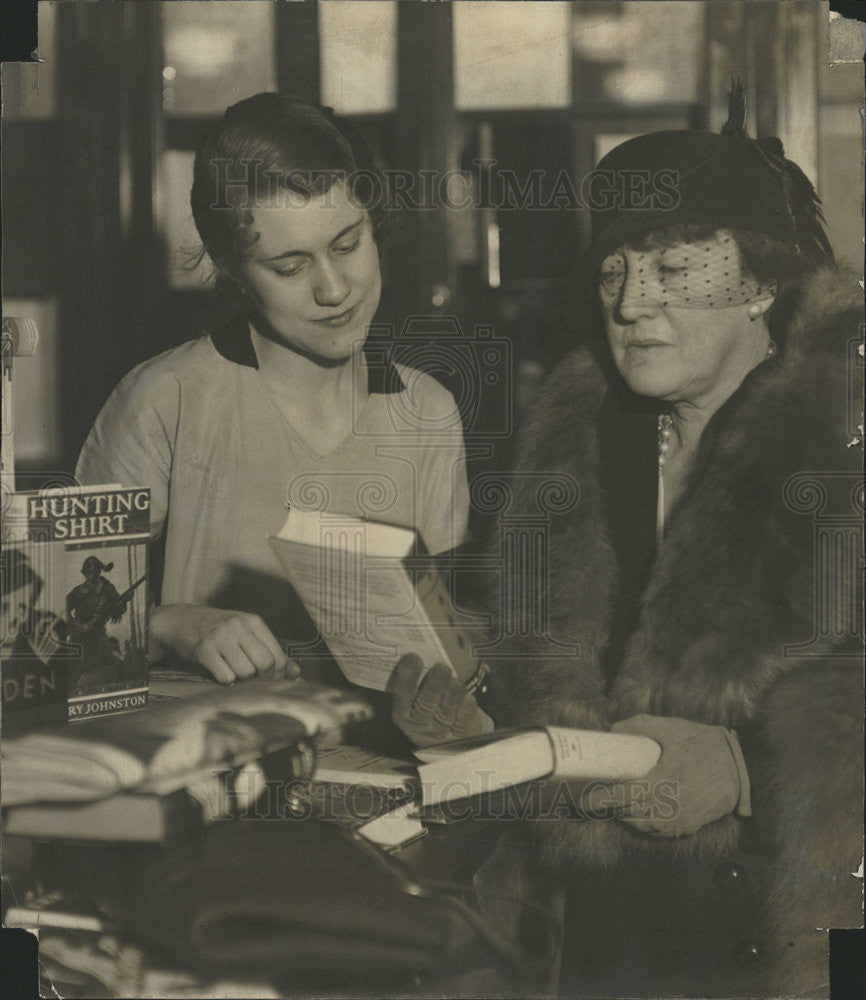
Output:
[[511, 55], [216, 54], [638, 53], [358, 45]]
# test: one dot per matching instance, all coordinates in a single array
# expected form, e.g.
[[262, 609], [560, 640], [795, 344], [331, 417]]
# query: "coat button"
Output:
[[728, 878]]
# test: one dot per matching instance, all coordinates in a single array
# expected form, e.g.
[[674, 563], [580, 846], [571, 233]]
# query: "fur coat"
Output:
[[738, 582]]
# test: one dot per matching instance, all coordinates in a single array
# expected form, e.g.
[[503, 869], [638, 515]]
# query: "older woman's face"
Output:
[[313, 273], [677, 318]]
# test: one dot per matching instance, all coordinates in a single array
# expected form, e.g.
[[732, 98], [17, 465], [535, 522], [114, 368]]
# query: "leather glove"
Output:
[[700, 777], [438, 709]]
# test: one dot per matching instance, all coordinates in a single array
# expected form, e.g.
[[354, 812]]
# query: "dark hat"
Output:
[[729, 181], [94, 564]]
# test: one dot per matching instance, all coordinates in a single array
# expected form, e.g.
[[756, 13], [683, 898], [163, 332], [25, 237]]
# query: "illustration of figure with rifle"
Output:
[[89, 607]]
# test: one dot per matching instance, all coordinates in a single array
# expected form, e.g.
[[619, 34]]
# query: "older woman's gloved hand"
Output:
[[700, 777], [438, 708]]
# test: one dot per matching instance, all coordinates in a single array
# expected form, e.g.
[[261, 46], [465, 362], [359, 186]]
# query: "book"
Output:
[[125, 818], [142, 817], [464, 768], [350, 765], [74, 639], [170, 743], [374, 595], [168, 684]]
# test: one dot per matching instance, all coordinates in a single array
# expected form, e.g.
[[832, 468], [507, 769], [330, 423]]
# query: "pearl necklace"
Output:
[[665, 429]]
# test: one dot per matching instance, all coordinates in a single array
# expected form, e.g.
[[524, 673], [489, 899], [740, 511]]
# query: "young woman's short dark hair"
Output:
[[265, 146]]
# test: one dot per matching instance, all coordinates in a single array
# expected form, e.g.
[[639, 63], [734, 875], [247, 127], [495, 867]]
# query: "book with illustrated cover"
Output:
[[375, 596], [75, 599]]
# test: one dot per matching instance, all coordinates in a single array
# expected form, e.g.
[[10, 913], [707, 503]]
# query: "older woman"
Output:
[[689, 578], [281, 404]]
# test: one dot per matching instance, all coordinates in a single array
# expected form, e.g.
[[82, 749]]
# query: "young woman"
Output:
[[280, 405]]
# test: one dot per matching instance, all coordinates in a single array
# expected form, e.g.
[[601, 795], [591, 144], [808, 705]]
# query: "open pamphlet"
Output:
[[464, 768], [374, 596]]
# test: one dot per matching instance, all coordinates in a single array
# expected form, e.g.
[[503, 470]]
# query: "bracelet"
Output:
[[478, 680]]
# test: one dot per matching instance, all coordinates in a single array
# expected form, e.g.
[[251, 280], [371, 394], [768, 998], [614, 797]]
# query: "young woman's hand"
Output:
[[439, 708], [232, 645]]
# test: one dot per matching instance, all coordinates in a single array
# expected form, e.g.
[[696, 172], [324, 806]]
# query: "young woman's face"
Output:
[[313, 273]]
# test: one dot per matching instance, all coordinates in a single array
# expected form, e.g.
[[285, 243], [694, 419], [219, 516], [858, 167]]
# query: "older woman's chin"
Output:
[[647, 382]]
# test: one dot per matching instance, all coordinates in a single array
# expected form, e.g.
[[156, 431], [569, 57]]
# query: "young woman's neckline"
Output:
[[233, 341], [294, 395]]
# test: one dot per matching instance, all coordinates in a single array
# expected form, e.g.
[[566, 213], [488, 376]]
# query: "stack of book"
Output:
[[179, 763]]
